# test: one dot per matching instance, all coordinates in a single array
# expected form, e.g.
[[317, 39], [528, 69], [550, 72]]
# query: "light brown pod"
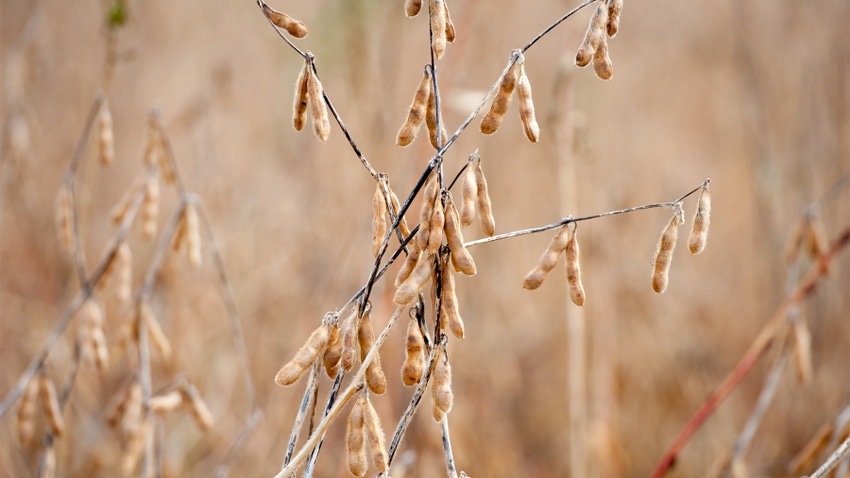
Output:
[[461, 258], [438, 27], [448, 304], [548, 259], [438, 221], [134, 447], [375, 447], [702, 217], [450, 26], [412, 7], [65, 218], [126, 408], [200, 411], [414, 364], [167, 402], [614, 9], [417, 111], [574, 270], [485, 208], [526, 107], [105, 137], [50, 405], [299, 105], [318, 108], [355, 438], [284, 21], [402, 224], [150, 207], [803, 351], [470, 193], [426, 210], [154, 144], [333, 354], [441, 388], [594, 36], [408, 290], [410, 261], [379, 219], [304, 358], [602, 62], [349, 332], [664, 255], [27, 412], [365, 334], [123, 205], [124, 266], [94, 339], [157, 336], [431, 122], [375, 378], [193, 236], [493, 119]]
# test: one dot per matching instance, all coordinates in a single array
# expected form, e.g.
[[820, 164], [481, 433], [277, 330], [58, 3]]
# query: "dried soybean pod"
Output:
[[614, 9], [702, 218], [574, 269], [375, 445], [375, 378], [355, 438], [803, 351], [379, 219], [461, 258], [284, 21], [414, 364], [166, 402], [429, 197], [202, 414], [402, 224], [299, 107], [526, 107], [441, 389], [407, 291], [158, 337], [548, 259], [594, 36], [438, 27], [153, 146], [485, 208], [50, 405], [493, 119], [134, 447], [333, 353], [438, 221], [602, 62], [349, 342], [305, 356], [193, 236], [417, 111], [664, 255], [431, 122], [105, 136], [470, 192], [448, 304], [410, 262], [124, 290], [365, 335], [26, 412], [412, 7], [65, 218], [150, 207], [450, 26], [318, 108]]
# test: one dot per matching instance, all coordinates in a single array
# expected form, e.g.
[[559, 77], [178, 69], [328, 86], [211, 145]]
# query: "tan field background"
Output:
[[754, 95]]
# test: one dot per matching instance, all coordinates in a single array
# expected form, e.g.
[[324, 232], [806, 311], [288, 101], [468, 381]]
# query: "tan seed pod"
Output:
[[438, 221], [65, 218], [318, 108], [105, 137], [135, 447], [448, 304], [154, 144], [438, 27], [285, 22], [167, 402], [355, 438], [375, 378], [414, 364], [493, 119], [402, 224], [379, 219], [526, 107], [412, 7], [125, 408], [96, 334], [50, 405], [299, 106], [574, 270], [614, 9], [27, 412], [124, 288], [441, 388], [150, 208], [429, 198], [417, 111], [664, 255], [408, 290], [193, 236], [461, 258], [470, 194], [365, 335], [450, 26], [485, 208], [120, 209], [375, 447], [350, 333], [803, 351], [699, 231], [548, 259], [157, 336], [602, 62], [410, 262], [431, 122], [200, 411], [594, 36], [305, 356], [333, 353]]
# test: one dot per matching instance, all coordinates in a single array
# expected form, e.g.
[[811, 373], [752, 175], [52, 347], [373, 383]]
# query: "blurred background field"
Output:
[[754, 95]]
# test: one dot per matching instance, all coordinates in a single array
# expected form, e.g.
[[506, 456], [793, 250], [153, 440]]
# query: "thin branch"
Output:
[[833, 460], [557, 22], [262, 4], [312, 386], [447, 447]]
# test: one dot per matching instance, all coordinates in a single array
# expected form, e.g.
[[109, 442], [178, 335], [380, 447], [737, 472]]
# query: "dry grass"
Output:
[[752, 95]]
